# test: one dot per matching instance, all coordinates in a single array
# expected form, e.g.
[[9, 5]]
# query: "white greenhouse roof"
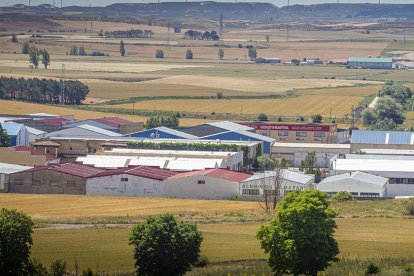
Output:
[[230, 126], [6, 168], [99, 130], [373, 165], [359, 176], [186, 164], [104, 161]]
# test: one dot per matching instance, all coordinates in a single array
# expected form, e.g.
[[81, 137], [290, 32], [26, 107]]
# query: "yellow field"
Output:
[[20, 108], [307, 102]]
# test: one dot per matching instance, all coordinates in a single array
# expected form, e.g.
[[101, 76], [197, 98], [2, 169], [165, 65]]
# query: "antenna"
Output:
[[287, 31], [62, 84], [91, 26]]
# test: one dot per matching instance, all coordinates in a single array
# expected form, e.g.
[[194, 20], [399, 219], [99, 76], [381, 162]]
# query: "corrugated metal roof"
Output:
[[12, 129], [105, 161], [375, 165], [150, 161], [74, 169], [141, 171], [216, 173], [113, 121], [230, 126], [91, 123], [188, 164], [367, 59], [41, 115], [175, 132], [359, 176], [12, 168], [32, 151], [382, 137], [311, 145], [100, 130], [285, 174], [34, 131], [246, 133]]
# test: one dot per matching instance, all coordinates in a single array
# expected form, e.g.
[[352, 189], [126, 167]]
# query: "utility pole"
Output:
[[62, 84], [30, 2], [287, 31], [288, 3], [221, 42], [168, 44], [353, 118], [61, 3], [405, 34]]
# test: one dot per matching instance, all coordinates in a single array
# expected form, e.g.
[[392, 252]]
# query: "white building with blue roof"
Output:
[[375, 139], [18, 134]]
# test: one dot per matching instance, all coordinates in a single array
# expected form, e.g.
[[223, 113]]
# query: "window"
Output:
[[282, 139], [369, 194], [124, 179], [201, 182], [301, 134], [319, 134], [283, 133], [265, 133], [250, 192]]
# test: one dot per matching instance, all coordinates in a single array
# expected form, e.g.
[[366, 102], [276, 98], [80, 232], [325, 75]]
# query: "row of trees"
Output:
[[196, 35], [4, 138], [43, 90], [80, 51], [133, 33], [298, 240], [169, 120], [388, 113]]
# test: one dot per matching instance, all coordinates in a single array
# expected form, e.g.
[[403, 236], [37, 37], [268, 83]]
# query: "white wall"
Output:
[[400, 190], [188, 187], [287, 185], [135, 186], [352, 186]]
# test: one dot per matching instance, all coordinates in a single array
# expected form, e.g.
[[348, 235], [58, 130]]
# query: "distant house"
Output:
[[5, 171], [18, 134], [370, 63], [26, 156], [338, 61], [268, 60], [359, 184]]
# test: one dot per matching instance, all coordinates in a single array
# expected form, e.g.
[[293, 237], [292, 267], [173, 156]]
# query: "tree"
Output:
[[267, 38], [386, 124], [165, 246], [266, 163], [395, 90], [221, 53], [122, 48], [168, 120], [14, 39], [263, 117], [316, 119], [300, 238], [4, 138], [82, 51], [271, 186], [58, 268], [45, 58], [252, 53], [189, 54], [309, 164], [73, 50], [159, 53], [36, 268], [368, 116], [388, 108], [34, 56], [26, 47], [15, 242]]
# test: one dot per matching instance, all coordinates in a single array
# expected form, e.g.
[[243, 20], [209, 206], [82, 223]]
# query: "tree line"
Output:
[[80, 51], [133, 33], [393, 99], [43, 90], [196, 35], [169, 120]]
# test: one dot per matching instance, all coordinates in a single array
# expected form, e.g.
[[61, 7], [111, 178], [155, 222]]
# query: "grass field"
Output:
[[330, 101]]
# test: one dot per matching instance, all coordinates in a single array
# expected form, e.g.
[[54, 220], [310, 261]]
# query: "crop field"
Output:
[[329, 101]]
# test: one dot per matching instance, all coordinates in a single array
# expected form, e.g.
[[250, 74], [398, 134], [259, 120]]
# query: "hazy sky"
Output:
[[108, 2]]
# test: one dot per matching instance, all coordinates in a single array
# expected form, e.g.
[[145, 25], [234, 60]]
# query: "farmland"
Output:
[[366, 229]]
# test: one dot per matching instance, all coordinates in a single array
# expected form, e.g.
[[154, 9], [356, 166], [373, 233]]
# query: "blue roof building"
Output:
[[162, 133], [18, 134], [368, 139]]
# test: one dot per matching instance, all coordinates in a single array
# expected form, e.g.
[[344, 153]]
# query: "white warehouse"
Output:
[[359, 184]]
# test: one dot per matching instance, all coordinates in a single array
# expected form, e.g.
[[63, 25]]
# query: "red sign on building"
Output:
[[289, 127]]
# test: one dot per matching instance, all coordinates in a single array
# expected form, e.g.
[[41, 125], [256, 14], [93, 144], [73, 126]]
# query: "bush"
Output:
[[316, 119], [89, 272], [263, 117], [372, 269], [159, 53], [342, 197], [202, 261], [36, 268], [219, 95], [189, 54], [409, 209], [58, 268], [234, 197]]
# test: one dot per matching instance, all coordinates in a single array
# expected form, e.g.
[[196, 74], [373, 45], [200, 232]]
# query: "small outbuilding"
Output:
[[5, 171], [359, 184]]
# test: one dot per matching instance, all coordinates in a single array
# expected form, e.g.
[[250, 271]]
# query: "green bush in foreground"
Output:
[[342, 197]]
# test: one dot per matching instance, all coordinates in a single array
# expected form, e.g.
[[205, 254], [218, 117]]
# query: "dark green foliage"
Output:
[[45, 58], [159, 53], [165, 246], [308, 165], [82, 51], [252, 53], [203, 260], [267, 37], [4, 138], [316, 119], [73, 50], [15, 242], [372, 269], [300, 238], [177, 29], [14, 39], [58, 268], [395, 90], [34, 56], [89, 272], [42, 90], [26, 47], [169, 120], [266, 163], [342, 197], [122, 48], [133, 33], [263, 117], [409, 209], [36, 268], [196, 35], [189, 54], [368, 117], [221, 53]]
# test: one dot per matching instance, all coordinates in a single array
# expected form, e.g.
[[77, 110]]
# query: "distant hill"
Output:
[[231, 11]]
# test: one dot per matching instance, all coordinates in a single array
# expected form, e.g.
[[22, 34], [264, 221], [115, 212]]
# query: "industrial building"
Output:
[[375, 139], [5, 171], [26, 156], [370, 63], [298, 133], [254, 186], [162, 133], [18, 134], [295, 153], [83, 131], [359, 184]]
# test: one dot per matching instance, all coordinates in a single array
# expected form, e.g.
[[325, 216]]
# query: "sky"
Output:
[[108, 2]]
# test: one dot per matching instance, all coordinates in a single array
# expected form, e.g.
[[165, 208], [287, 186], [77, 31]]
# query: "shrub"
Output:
[[202, 261], [263, 117], [234, 197], [189, 54], [372, 269], [219, 95], [342, 197], [89, 272], [409, 209], [36, 268], [316, 119], [159, 53], [58, 268]]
